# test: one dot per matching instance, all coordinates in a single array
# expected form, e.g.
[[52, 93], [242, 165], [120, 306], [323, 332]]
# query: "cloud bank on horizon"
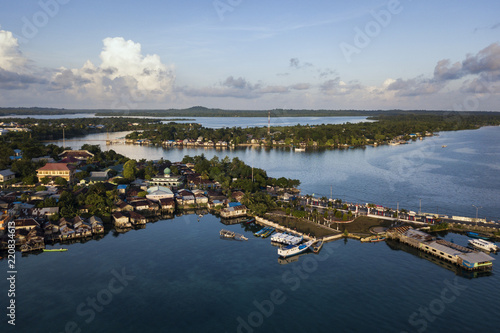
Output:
[[124, 76]]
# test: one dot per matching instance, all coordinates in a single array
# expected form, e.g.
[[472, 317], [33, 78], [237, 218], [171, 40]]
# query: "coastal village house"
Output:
[[136, 218], [96, 225], [235, 211], [54, 170], [121, 221], [167, 205], [26, 224], [185, 198], [6, 175]]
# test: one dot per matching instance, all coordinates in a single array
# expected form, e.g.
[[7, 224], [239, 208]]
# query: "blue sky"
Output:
[[250, 54]]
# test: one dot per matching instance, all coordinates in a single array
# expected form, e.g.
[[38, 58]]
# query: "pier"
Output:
[[458, 255]]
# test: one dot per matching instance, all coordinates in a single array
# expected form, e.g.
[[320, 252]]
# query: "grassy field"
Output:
[[301, 225], [362, 225]]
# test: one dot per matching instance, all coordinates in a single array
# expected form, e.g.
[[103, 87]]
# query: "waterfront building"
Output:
[[453, 253], [200, 198], [120, 220], [136, 218], [96, 225], [167, 204], [236, 211], [26, 224], [185, 198]]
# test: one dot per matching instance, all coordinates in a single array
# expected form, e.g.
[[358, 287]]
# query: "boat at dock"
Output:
[[317, 245], [249, 221], [483, 245], [231, 235], [55, 250], [372, 239], [291, 250], [267, 233], [476, 235], [377, 239], [261, 231], [285, 238]]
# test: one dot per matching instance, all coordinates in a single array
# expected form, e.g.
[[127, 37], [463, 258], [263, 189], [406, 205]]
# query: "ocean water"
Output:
[[419, 176], [180, 276]]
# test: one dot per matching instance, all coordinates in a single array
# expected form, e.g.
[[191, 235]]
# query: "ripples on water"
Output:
[[447, 180]]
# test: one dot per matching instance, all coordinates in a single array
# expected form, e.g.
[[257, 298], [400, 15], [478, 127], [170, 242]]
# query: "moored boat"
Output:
[[483, 245], [267, 233], [317, 245], [55, 250], [231, 235], [476, 235], [261, 231], [284, 238], [377, 239], [291, 250]]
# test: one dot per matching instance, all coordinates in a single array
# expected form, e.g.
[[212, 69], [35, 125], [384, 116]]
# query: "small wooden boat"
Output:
[[316, 247], [267, 233], [250, 221], [377, 239], [261, 231], [232, 235], [55, 250], [476, 235]]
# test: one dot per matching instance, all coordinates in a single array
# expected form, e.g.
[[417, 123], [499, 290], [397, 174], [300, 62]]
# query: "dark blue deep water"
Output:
[[179, 276]]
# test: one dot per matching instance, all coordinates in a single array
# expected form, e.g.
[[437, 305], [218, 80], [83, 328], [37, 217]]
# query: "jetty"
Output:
[[456, 254]]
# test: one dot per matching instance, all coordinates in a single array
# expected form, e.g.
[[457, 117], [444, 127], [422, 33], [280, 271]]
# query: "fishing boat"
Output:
[[317, 245], [377, 239], [250, 221], [232, 235], [55, 250], [261, 231], [267, 233], [284, 238], [483, 245], [476, 235], [291, 250]]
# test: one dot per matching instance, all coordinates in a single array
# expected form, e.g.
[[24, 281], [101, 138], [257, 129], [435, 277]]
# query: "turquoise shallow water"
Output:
[[181, 277]]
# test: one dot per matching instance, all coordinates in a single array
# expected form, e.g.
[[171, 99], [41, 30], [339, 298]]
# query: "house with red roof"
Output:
[[54, 170]]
